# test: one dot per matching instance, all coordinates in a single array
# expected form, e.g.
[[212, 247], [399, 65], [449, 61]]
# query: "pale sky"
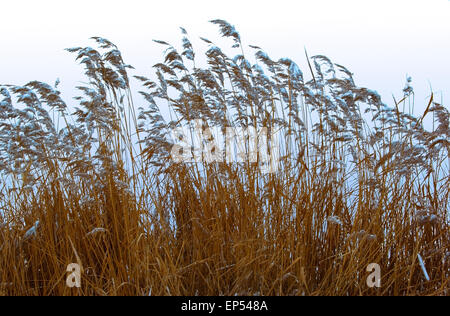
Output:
[[379, 41]]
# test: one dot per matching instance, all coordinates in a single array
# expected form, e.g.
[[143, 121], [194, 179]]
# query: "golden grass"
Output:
[[352, 188]]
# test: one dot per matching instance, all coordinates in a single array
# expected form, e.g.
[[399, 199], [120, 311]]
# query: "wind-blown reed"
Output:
[[359, 182]]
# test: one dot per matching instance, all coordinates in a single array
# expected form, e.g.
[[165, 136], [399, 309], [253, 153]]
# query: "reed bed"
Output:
[[358, 181]]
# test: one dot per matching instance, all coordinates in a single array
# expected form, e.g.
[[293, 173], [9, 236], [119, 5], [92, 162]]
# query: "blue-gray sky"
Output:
[[379, 41]]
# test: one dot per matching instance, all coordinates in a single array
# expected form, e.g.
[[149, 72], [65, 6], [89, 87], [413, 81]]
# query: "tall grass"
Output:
[[359, 182]]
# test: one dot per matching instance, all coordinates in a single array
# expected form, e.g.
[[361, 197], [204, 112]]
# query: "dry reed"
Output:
[[359, 182]]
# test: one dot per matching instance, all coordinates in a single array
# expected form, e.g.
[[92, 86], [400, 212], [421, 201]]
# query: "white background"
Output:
[[379, 41]]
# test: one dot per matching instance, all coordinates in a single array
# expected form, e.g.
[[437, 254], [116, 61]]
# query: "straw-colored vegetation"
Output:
[[359, 182]]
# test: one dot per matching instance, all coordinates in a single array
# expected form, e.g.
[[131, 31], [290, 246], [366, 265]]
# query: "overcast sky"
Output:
[[379, 41]]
